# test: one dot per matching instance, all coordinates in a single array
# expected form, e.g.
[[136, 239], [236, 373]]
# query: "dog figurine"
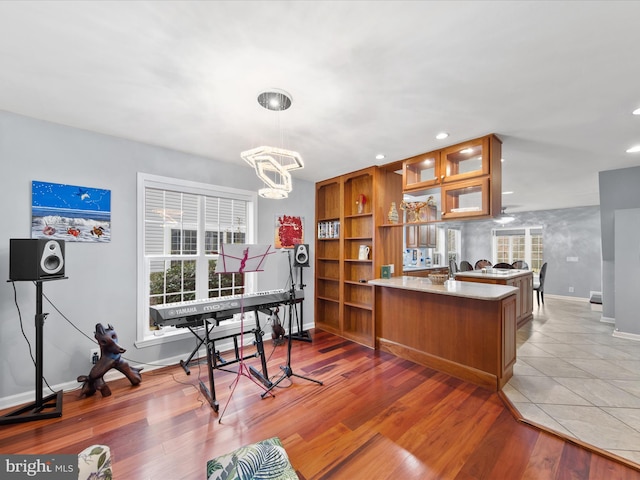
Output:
[[110, 357]]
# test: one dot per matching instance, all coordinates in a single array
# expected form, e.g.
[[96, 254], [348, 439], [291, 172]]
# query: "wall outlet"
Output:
[[94, 355], [570, 289]]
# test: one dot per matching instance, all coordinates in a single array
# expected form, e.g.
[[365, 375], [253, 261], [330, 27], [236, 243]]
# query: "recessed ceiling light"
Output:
[[380, 156], [502, 159], [635, 149], [442, 135], [636, 111], [507, 193]]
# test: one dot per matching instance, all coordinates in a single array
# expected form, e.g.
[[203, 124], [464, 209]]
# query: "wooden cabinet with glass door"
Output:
[[468, 174], [421, 171]]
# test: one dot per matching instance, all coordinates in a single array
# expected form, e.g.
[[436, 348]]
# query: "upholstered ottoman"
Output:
[[263, 460], [94, 463]]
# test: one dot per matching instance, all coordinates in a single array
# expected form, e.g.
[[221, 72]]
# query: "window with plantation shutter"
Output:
[[522, 243], [182, 225]]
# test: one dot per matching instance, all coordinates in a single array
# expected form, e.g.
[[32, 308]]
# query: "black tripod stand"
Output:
[[43, 407], [300, 334], [287, 371]]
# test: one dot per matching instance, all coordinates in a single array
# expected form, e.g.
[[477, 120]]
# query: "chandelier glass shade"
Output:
[[274, 164]]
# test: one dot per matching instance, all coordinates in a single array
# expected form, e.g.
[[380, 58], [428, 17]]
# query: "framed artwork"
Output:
[[70, 213], [289, 231]]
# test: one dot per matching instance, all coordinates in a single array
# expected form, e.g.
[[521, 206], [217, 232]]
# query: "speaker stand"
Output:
[[42, 408], [301, 334]]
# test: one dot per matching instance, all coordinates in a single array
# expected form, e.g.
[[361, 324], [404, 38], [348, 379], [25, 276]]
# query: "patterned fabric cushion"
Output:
[[94, 463], [263, 460]]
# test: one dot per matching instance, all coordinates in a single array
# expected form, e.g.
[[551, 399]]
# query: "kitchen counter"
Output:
[[465, 329], [420, 268], [479, 291], [520, 279], [493, 273]]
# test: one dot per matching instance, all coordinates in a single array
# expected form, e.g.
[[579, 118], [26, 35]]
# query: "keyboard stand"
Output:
[[185, 363]]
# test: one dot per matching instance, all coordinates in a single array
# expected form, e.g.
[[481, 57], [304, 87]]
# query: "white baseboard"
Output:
[[28, 397], [610, 320], [629, 336], [563, 297]]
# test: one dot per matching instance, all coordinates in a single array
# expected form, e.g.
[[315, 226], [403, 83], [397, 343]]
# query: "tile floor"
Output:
[[574, 377]]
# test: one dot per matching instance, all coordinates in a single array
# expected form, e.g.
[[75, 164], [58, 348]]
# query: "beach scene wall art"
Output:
[[70, 212]]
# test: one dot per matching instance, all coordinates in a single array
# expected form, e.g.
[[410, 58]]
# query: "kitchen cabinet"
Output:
[[467, 176], [421, 171], [423, 234]]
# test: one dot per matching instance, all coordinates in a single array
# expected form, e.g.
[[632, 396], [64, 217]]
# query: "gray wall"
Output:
[[627, 270], [571, 232], [618, 191], [101, 287]]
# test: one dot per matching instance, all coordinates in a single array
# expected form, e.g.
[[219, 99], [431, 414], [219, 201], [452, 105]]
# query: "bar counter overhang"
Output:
[[465, 329]]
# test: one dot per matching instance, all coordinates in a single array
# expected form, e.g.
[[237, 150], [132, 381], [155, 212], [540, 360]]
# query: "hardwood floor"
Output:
[[375, 417]]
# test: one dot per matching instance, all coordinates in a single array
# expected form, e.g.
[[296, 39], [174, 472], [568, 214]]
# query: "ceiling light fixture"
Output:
[[442, 135], [273, 164], [503, 219], [636, 111], [635, 149], [380, 156]]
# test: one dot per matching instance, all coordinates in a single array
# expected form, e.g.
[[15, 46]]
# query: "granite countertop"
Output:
[[479, 291], [505, 273], [417, 268]]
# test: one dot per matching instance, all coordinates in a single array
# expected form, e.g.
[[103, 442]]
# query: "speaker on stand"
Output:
[[37, 260], [300, 260]]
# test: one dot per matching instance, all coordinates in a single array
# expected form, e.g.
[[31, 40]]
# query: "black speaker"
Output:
[[36, 259], [301, 255]]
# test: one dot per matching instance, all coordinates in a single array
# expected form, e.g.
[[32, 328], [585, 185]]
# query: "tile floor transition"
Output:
[[572, 376]]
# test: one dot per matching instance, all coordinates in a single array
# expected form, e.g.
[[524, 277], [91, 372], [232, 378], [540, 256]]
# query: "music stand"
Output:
[[241, 258]]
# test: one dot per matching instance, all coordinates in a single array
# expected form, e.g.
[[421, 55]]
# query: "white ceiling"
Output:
[[556, 81]]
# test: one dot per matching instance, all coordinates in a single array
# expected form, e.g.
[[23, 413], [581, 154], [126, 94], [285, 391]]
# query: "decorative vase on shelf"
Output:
[[393, 213]]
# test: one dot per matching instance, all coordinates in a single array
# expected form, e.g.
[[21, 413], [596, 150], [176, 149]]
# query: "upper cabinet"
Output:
[[421, 171], [466, 160], [468, 176]]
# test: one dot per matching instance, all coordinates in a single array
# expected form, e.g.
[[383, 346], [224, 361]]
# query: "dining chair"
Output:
[[539, 286], [465, 266], [520, 265], [503, 265], [453, 268], [482, 264]]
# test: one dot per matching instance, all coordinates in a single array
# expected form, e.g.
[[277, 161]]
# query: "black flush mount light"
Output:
[[276, 100]]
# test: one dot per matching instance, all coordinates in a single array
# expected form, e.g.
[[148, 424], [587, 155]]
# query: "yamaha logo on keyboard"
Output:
[[182, 311]]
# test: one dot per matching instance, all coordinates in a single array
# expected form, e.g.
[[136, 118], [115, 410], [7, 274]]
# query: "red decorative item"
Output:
[[289, 232], [361, 202]]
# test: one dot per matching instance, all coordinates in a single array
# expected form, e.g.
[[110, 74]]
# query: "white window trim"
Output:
[[145, 180], [495, 232]]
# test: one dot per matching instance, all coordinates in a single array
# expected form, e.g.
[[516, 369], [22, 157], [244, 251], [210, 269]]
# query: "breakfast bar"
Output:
[[465, 329]]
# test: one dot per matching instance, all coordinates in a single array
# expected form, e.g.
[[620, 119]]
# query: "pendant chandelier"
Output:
[[274, 164]]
